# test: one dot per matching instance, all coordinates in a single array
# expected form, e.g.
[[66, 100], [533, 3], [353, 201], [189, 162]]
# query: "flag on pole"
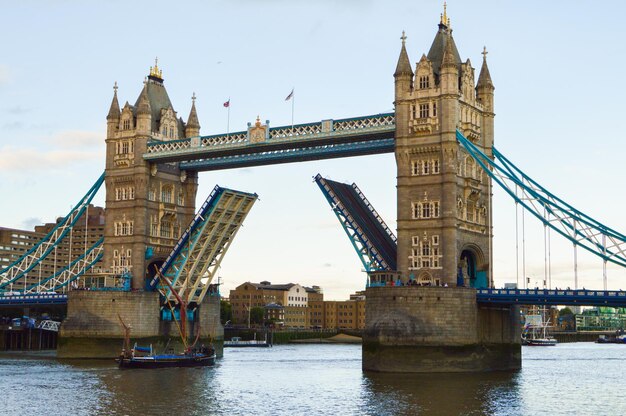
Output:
[[290, 96], [227, 103]]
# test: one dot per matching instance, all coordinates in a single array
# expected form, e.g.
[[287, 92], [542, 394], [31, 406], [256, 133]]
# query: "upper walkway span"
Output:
[[262, 145]]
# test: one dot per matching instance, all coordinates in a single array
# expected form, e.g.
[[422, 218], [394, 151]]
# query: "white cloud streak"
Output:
[[5, 74], [69, 148]]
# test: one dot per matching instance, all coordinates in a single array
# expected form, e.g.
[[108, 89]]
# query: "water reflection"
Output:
[[440, 394]]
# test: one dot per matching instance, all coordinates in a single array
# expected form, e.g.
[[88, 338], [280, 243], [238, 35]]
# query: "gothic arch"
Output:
[[473, 267]]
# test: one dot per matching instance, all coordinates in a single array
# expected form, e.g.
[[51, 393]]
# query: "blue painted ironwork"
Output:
[[374, 242], [328, 151], [65, 276], [612, 298], [183, 242], [193, 262], [320, 140], [19, 268], [577, 227], [34, 299]]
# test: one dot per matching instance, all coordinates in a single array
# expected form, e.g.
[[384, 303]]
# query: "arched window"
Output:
[[166, 194]]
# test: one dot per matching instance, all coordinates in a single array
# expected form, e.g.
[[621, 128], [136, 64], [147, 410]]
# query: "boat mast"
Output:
[[183, 308]]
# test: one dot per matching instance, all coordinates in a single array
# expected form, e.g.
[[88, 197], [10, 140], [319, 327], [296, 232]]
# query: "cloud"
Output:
[[13, 125], [17, 110], [30, 223], [16, 160], [77, 138], [68, 148], [5, 75]]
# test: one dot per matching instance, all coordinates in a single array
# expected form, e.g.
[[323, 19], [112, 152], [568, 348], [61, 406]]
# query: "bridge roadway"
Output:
[[582, 297], [326, 139], [34, 299]]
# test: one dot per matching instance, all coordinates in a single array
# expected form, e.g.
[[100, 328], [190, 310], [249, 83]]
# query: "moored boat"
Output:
[[144, 357], [618, 338], [202, 358], [238, 342], [534, 333]]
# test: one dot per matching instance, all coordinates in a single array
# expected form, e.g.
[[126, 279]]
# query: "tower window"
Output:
[[413, 111], [166, 194], [126, 125], [425, 167], [424, 82], [435, 209], [424, 110], [435, 166], [434, 109], [415, 167], [424, 210]]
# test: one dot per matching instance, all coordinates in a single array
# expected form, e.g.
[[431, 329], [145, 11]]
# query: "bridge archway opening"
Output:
[[426, 279], [472, 268], [151, 271]]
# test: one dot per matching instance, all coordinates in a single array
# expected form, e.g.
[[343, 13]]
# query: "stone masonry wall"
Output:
[[95, 314], [437, 329], [425, 315]]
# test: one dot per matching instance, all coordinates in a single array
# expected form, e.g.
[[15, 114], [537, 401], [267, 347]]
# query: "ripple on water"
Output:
[[582, 378]]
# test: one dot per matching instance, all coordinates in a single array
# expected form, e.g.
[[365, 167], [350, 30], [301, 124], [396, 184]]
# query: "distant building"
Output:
[[291, 296], [14, 243], [295, 306]]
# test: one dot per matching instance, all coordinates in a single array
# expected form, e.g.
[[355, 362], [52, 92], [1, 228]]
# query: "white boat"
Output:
[[534, 332], [238, 342]]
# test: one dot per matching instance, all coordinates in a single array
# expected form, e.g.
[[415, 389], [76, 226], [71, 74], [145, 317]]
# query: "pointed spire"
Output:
[[192, 121], [404, 65], [143, 106], [114, 111], [155, 73], [484, 79], [448, 53]]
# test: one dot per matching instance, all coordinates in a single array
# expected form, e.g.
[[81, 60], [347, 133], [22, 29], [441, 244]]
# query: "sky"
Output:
[[559, 101]]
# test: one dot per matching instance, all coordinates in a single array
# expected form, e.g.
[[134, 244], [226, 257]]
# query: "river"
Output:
[[568, 379]]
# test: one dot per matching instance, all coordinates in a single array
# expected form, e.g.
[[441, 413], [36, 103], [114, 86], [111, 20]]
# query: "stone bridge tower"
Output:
[[147, 205], [444, 197], [434, 324]]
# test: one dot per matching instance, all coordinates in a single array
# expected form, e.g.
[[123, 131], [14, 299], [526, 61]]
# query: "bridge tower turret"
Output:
[[435, 324], [113, 118], [193, 125], [148, 205], [444, 227]]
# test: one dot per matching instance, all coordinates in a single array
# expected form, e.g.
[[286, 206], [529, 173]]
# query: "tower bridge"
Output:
[[431, 305]]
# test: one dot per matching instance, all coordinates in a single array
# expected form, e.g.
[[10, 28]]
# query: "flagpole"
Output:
[[293, 101], [228, 119]]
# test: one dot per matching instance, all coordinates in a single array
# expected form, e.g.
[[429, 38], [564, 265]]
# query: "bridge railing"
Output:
[[553, 292], [43, 298], [298, 132]]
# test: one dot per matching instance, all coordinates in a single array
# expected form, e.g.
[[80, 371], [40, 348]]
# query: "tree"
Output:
[[256, 315], [226, 311], [565, 311]]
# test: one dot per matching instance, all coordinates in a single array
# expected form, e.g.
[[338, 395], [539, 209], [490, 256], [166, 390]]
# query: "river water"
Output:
[[569, 379]]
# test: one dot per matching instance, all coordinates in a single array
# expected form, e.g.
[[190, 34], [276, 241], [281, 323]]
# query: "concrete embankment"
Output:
[[581, 336]]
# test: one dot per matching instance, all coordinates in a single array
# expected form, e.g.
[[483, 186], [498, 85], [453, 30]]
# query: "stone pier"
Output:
[[438, 329], [92, 328]]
